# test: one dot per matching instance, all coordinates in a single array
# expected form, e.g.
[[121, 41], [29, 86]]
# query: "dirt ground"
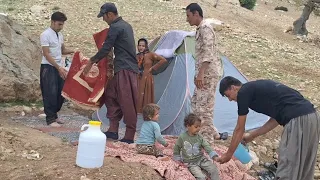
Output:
[[253, 40], [56, 158]]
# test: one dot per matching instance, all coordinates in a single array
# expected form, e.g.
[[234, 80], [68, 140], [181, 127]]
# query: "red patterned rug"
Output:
[[87, 91], [170, 170]]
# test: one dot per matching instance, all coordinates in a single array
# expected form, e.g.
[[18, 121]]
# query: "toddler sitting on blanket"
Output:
[[188, 150], [150, 131]]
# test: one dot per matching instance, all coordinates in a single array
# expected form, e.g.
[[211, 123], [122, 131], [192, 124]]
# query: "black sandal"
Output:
[[271, 166], [266, 175], [223, 136]]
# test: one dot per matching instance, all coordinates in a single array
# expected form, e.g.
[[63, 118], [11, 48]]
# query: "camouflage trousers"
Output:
[[149, 149], [203, 106]]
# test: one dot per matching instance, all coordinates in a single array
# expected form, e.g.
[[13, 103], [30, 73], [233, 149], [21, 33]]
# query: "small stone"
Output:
[[8, 151], [23, 113], [275, 144], [42, 115], [27, 109], [84, 178], [267, 143], [261, 149], [27, 145], [41, 109], [275, 155], [317, 175], [37, 10]]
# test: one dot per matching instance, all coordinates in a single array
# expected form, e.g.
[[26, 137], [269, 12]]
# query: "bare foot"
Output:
[[55, 124]]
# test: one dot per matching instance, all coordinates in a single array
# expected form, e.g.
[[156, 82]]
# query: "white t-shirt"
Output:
[[54, 41]]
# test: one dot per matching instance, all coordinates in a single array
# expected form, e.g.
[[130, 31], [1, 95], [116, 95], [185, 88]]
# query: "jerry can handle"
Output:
[[85, 125]]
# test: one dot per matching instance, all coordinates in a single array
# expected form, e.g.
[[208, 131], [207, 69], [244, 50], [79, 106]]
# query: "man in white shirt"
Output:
[[52, 73]]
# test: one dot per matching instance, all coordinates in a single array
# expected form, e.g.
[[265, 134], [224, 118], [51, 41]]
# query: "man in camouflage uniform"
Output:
[[208, 69]]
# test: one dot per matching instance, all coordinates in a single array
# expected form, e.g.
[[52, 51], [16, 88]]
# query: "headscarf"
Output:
[[140, 55]]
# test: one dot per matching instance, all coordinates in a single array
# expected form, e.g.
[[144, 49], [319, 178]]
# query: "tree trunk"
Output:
[[299, 25]]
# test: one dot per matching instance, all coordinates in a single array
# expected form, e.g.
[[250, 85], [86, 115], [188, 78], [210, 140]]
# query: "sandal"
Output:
[[223, 136], [266, 175], [271, 166], [59, 121]]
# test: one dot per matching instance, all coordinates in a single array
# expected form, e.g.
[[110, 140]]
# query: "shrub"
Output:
[[248, 4]]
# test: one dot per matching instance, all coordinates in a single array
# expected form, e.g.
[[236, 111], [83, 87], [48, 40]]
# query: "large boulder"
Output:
[[20, 57]]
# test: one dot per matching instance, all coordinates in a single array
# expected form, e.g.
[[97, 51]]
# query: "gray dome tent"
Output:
[[174, 88]]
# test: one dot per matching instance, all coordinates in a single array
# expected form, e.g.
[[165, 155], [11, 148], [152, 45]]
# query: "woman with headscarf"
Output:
[[147, 62]]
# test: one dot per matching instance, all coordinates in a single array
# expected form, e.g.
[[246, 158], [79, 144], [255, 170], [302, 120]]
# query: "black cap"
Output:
[[107, 7]]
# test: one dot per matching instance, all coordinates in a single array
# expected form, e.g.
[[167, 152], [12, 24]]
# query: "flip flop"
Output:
[[266, 175], [223, 136], [59, 121], [271, 167]]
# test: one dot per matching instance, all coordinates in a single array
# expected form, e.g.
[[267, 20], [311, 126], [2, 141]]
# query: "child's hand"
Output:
[[181, 164], [166, 145], [215, 158]]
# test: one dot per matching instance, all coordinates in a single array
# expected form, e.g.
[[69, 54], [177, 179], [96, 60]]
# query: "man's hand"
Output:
[[110, 75], [224, 158], [63, 73], [199, 82], [247, 137], [87, 68]]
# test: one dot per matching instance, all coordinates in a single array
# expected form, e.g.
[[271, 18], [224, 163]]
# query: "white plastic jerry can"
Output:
[[91, 146]]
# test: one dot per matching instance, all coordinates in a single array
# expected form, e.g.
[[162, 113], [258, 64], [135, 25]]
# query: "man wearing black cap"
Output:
[[122, 90]]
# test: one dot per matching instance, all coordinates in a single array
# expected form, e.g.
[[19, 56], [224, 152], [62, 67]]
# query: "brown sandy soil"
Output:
[[56, 158]]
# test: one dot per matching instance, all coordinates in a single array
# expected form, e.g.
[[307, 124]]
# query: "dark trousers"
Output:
[[51, 86], [121, 99]]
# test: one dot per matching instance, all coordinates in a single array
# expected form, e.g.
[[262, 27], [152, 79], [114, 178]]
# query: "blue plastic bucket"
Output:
[[242, 154]]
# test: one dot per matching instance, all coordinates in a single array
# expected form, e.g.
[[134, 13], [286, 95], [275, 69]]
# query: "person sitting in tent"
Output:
[[147, 62]]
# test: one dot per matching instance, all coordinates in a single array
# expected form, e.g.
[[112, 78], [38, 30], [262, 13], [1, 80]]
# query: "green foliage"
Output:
[[248, 4]]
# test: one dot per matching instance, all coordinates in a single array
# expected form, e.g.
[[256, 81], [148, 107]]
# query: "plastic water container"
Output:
[[242, 154], [91, 146]]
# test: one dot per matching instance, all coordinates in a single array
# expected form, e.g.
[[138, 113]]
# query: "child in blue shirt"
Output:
[[150, 132]]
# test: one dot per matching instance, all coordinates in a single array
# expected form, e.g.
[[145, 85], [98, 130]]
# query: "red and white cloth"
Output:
[[87, 91]]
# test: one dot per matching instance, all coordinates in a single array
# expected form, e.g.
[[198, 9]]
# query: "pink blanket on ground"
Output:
[[233, 170]]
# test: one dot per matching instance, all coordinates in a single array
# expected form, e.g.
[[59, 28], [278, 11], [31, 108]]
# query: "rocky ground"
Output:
[[253, 40], [29, 154]]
